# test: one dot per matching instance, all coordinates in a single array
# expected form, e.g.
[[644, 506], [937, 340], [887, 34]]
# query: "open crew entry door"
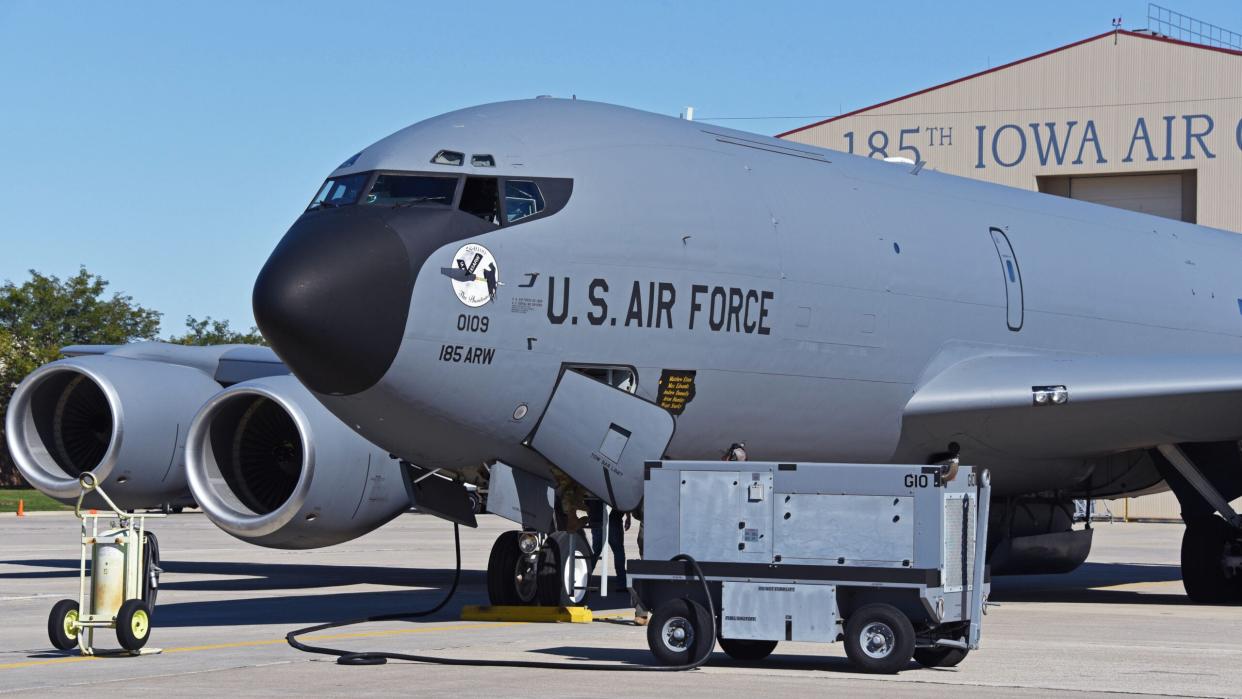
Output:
[[601, 437]]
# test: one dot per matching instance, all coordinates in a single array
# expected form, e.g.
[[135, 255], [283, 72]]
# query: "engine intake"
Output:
[[271, 466], [259, 452], [124, 420]]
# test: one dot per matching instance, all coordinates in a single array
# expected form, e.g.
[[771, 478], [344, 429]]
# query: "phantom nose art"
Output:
[[333, 299]]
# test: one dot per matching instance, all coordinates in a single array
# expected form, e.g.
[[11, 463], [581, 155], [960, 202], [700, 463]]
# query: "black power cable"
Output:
[[349, 657]]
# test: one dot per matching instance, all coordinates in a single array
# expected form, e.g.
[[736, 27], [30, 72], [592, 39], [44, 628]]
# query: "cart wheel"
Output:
[[680, 632], [879, 638], [62, 624], [939, 656], [745, 650], [133, 624]]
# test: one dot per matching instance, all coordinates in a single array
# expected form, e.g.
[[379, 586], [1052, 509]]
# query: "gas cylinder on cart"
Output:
[[108, 572]]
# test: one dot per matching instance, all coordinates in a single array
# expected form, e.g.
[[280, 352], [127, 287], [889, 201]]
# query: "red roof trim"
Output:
[[1010, 65]]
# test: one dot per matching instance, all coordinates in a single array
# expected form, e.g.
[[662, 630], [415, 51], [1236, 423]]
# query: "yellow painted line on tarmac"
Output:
[[49, 661], [267, 642]]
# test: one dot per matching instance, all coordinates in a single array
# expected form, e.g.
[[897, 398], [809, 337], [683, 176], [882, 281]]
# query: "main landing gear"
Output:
[[1212, 562], [1212, 542], [530, 568]]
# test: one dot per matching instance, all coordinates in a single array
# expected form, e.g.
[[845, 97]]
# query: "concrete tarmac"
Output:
[[1121, 624]]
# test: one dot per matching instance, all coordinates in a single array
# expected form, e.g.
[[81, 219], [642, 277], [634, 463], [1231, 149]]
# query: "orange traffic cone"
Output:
[[21, 508]]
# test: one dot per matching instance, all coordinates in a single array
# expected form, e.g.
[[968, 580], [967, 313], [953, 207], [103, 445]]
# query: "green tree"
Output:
[[45, 313], [210, 331]]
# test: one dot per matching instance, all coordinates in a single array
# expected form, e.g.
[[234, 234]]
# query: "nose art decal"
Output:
[[474, 274]]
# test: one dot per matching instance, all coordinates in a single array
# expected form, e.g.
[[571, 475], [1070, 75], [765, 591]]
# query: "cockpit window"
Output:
[[522, 199], [481, 198], [448, 157], [339, 191], [409, 190]]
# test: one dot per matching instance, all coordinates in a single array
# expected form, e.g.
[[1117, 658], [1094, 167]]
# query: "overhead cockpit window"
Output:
[[522, 199], [339, 191], [410, 190], [482, 161], [449, 157], [481, 198], [352, 159]]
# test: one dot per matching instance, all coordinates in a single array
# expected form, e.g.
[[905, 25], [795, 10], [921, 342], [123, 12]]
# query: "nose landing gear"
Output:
[[527, 568]]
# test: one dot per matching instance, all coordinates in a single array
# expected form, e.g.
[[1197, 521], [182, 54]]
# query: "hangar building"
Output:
[[1134, 119]]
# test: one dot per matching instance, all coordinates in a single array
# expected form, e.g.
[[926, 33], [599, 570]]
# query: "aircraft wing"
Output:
[[83, 350], [228, 364], [1112, 403]]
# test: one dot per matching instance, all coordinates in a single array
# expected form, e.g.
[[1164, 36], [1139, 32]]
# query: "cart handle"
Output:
[[88, 482]]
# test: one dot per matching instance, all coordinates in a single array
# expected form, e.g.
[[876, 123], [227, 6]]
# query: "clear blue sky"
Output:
[[168, 146]]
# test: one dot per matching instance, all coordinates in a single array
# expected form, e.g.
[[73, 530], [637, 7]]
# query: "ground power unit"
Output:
[[887, 558]]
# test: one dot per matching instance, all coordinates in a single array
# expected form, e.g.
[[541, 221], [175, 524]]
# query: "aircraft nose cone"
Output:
[[333, 300]]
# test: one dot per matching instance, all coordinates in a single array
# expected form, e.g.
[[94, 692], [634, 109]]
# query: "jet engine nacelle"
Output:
[[271, 466], [125, 420]]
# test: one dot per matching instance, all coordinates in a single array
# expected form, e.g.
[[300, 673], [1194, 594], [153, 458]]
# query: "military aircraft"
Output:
[[539, 297]]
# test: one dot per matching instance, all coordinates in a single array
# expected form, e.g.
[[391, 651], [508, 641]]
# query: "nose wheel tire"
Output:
[[62, 624], [879, 638], [939, 656], [564, 570], [745, 650], [133, 624], [1205, 546], [680, 632], [512, 576]]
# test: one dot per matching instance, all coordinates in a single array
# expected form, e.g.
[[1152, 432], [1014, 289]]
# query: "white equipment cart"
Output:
[[887, 558], [123, 579]]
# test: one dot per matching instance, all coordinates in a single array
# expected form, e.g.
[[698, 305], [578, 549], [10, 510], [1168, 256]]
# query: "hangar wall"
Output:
[[1119, 104], [1127, 119]]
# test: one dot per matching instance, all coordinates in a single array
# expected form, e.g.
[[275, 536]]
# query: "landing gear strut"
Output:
[[528, 568]]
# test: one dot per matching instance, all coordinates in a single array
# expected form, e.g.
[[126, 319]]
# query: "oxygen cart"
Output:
[[123, 579], [887, 558]]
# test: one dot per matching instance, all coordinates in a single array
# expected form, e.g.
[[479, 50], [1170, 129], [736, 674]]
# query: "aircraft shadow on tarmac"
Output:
[[311, 609], [634, 656], [1094, 583], [263, 576], [320, 608], [1091, 583], [293, 609]]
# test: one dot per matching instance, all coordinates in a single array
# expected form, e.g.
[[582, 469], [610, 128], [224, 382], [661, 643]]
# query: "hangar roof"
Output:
[[1125, 32]]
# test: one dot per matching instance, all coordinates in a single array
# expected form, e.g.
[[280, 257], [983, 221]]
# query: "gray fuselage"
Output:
[[811, 292]]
